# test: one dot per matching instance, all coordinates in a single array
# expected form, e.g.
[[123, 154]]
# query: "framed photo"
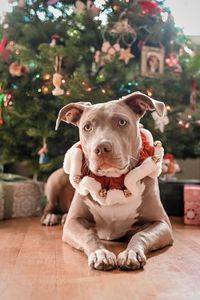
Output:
[[152, 61]]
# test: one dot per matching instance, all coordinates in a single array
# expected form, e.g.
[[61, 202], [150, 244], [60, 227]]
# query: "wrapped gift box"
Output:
[[192, 204], [19, 196]]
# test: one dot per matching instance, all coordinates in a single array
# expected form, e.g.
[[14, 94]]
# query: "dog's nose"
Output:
[[103, 148]]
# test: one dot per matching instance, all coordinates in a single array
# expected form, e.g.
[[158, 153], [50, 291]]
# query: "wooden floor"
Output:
[[35, 264]]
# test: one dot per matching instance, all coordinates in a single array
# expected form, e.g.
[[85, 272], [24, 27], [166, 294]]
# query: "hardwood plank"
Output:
[[36, 264]]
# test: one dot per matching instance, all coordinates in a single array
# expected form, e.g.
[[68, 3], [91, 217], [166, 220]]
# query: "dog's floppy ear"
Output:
[[71, 113], [140, 103]]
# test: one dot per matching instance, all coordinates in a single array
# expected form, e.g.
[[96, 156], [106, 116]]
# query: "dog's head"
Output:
[[109, 132]]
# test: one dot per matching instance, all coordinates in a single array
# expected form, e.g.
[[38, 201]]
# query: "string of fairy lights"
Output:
[[6, 96]]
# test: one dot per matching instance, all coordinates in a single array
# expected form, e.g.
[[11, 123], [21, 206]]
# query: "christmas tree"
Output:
[[56, 52]]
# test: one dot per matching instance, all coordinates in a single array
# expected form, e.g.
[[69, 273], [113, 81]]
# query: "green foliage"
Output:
[[33, 113]]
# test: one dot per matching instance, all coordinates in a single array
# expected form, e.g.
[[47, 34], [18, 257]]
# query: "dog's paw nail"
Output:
[[156, 158], [158, 144], [77, 179], [103, 193], [127, 193]]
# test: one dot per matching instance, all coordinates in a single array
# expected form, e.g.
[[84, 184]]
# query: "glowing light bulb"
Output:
[[89, 89], [68, 93], [180, 123], [46, 76], [149, 93]]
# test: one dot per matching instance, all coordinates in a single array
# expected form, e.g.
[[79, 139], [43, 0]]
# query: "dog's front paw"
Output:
[[102, 259], [50, 219], [131, 260]]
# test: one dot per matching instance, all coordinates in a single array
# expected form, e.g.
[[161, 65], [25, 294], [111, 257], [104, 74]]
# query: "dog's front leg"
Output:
[[79, 232], [154, 236]]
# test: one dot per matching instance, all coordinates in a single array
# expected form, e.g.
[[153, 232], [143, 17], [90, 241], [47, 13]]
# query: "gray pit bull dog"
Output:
[[110, 139]]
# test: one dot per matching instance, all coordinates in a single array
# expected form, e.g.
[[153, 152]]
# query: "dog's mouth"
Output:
[[109, 169], [112, 171]]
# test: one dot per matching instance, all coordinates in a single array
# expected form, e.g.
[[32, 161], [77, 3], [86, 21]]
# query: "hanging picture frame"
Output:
[[152, 61]]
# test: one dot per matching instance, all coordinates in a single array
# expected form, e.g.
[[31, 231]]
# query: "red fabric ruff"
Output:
[[109, 183], [146, 150]]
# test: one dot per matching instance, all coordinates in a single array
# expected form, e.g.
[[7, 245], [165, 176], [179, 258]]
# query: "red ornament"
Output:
[[1, 116], [16, 69], [5, 51], [3, 44], [150, 8], [8, 101], [172, 60], [193, 96]]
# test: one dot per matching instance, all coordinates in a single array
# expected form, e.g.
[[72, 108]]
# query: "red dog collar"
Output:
[[118, 182]]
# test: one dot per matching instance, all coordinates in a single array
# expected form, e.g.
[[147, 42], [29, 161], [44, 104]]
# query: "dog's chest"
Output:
[[114, 221]]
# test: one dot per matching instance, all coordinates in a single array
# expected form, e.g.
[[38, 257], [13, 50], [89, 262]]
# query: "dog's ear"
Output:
[[71, 113], [140, 103]]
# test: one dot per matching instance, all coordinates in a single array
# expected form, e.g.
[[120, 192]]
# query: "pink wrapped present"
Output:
[[192, 204]]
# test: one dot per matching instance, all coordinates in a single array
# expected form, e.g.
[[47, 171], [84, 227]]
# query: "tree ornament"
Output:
[[123, 26], [57, 77], [52, 2], [17, 70], [8, 101], [1, 108], [57, 81], [160, 122], [116, 7], [177, 70], [152, 61], [21, 3], [81, 8], [107, 53], [169, 167], [3, 44], [1, 116], [126, 55], [92, 8], [150, 8], [172, 60], [46, 76], [54, 40], [127, 35], [45, 90], [193, 96], [43, 157], [5, 51]]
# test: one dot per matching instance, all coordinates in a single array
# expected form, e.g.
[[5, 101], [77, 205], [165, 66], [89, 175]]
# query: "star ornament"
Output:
[[126, 55]]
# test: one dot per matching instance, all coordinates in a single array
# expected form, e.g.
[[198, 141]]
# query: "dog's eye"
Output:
[[122, 122], [87, 127]]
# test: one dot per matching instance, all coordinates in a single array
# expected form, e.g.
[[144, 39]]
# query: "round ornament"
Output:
[[17, 70]]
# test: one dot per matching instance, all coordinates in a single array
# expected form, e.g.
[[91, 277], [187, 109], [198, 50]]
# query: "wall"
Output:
[[190, 169]]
